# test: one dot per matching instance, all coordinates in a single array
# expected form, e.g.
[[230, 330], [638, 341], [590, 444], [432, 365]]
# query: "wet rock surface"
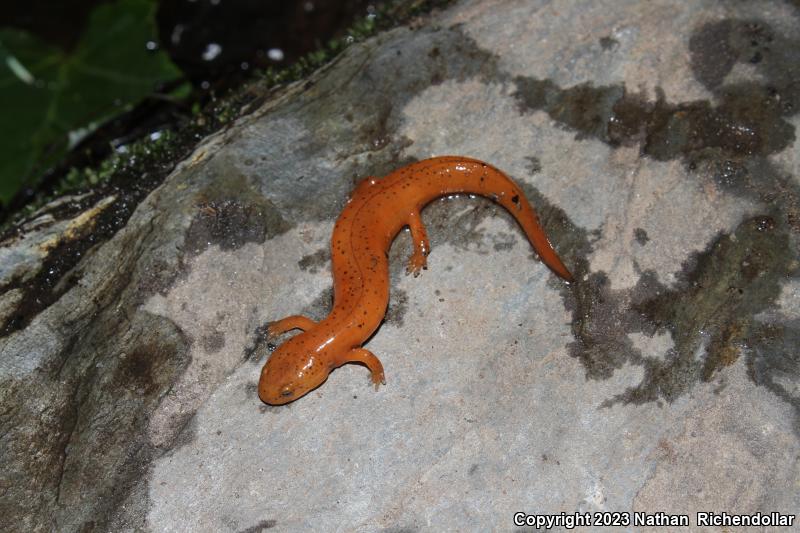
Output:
[[657, 140]]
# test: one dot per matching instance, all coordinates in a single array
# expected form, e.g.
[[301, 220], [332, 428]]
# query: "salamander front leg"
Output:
[[422, 247], [361, 355], [289, 323]]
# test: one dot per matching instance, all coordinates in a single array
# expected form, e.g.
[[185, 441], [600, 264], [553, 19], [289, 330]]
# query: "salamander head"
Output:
[[291, 372]]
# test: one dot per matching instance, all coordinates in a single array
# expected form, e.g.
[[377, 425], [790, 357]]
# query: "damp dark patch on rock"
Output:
[[231, 223], [721, 291], [230, 213], [758, 179], [534, 165], [313, 262], [260, 527], [572, 243], [745, 122], [140, 370], [641, 236], [398, 307], [159, 277], [448, 53], [251, 389], [320, 307], [608, 43], [773, 361], [456, 219], [726, 141], [748, 118], [213, 341], [380, 133], [716, 47], [503, 241], [90, 441], [601, 321], [583, 108], [601, 318], [260, 344], [709, 313]]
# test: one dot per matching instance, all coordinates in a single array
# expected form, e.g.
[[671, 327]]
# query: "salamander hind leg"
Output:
[[361, 355], [289, 323], [422, 246]]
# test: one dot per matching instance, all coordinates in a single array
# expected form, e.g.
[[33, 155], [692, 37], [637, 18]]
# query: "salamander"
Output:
[[377, 210]]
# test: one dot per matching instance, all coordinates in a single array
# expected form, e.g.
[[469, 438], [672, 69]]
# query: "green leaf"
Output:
[[48, 95]]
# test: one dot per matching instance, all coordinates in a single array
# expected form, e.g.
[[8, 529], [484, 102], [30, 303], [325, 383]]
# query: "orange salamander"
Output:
[[376, 211]]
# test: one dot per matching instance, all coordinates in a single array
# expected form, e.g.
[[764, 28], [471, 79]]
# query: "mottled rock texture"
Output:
[[658, 140]]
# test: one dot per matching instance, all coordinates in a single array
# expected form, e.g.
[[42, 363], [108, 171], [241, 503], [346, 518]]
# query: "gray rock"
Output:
[[658, 142]]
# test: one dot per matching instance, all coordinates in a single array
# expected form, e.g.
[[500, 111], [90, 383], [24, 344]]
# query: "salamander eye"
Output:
[[286, 393]]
